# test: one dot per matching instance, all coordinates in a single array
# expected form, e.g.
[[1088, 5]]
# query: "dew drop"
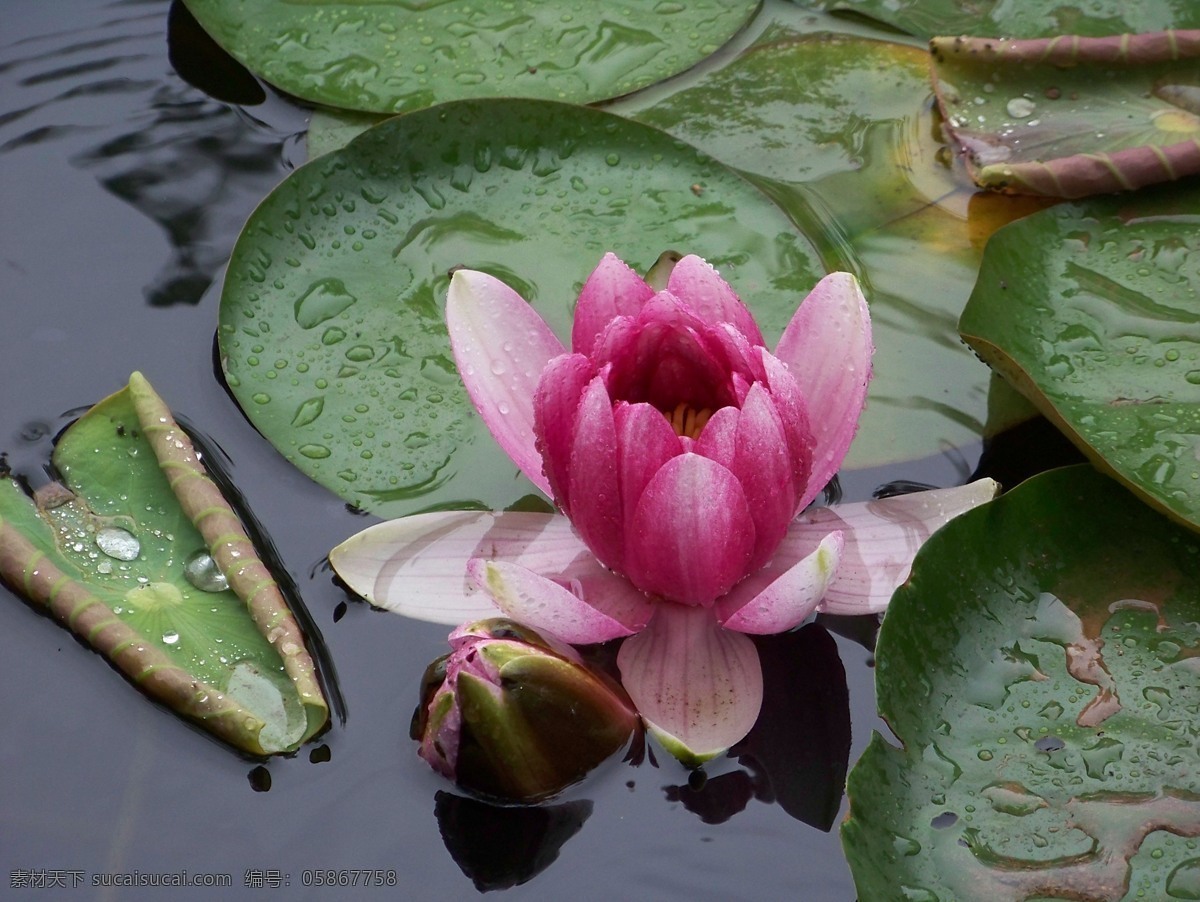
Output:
[[170, 637], [314, 452], [324, 299], [308, 411], [118, 543], [1020, 107], [203, 573], [1184, 881]]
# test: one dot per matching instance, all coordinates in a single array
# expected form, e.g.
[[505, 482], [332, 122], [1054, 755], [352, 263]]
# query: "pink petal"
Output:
[[794, 412], [786, 602], [417, 566], [666, 354], [698, 687], [540, 603], [718, 438], [763, 465], [555, 408], [699, 286], [882, 537], [612, 290], [692, 532], [645, 441], [827, 348], [501, 345], [594, 490]]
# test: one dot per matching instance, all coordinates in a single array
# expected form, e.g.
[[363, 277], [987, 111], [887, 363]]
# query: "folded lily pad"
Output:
[[399, 55], [1090, 310], [1070, 116], [332, 334], [1041, 669], [1048, 18], [139, 554]]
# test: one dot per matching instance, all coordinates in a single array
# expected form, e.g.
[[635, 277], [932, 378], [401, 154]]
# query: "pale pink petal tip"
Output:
[[501, 346], [612, 290], [882, 539], [788, 601], [698, 687], [543, 604], [414, 565], [701, 287], [827, 347]]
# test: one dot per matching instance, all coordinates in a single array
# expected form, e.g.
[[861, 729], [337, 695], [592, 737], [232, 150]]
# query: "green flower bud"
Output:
[[513, 715]]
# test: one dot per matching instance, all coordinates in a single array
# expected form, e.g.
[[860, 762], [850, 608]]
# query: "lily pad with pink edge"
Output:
[[1070, 116]]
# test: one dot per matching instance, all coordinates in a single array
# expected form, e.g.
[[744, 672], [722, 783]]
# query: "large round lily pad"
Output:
[[398, 55], [332, 335], [1092, 311], [1042, 669]]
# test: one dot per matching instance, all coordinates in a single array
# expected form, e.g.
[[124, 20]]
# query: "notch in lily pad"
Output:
[[138, 553]]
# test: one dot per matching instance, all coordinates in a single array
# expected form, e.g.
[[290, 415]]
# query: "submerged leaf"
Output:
[[1040, 670], [1070, 116], [140, 555]]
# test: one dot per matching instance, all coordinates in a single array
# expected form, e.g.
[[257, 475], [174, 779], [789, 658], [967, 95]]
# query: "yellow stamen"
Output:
[[687, 420]]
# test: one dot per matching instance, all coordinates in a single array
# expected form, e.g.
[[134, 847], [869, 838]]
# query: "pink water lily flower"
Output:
[[676, 443], [681, 450]]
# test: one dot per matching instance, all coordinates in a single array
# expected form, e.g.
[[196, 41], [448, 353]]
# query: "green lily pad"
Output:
[[391, 56], [926, 18], [840, 132], [330, 130], [1041, 669], [331, 326], [1091, 311], [1070, 116], [142, 558]]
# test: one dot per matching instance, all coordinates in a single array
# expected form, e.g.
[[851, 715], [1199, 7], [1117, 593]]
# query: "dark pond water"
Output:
[[123, 190]]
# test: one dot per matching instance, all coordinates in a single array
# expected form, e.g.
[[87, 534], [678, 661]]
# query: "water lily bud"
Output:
[[511, 714]]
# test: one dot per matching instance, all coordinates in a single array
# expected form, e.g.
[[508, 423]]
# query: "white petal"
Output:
[[882, 538], [417, 566]]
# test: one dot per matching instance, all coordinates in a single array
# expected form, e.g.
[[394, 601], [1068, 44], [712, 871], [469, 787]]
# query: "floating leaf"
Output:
[[141, 557], [336, 287], [330, 130], [401, 55], [1091, 311], [1071, 116], [1040, 669], [927, 18], [839, 131]]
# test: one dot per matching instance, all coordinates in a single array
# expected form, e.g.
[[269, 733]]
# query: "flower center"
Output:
[[687, 420]]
